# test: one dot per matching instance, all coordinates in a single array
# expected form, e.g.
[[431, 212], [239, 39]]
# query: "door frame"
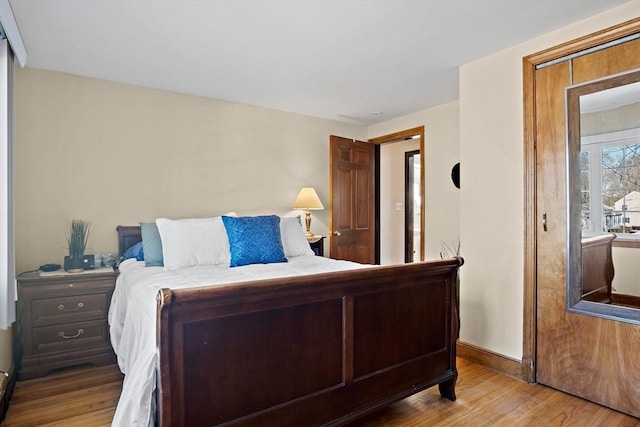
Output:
[[529, 64], [397, 137]]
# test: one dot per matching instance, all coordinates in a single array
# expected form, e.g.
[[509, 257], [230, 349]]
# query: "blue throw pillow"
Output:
[[136, 251], [151, 244], [254, 239]]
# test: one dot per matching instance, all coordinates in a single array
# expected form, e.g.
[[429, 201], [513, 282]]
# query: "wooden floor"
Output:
[[88, 396]]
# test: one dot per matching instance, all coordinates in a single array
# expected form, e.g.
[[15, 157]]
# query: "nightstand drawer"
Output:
[[69, 336], [53, 311], [66, 285], [62, 321]]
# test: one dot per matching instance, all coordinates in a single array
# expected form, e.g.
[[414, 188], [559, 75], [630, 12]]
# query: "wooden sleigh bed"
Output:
[[597, 268], [320, 349]]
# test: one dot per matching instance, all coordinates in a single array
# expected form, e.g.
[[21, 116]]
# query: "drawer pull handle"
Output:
[[62, 335], [61, 307]]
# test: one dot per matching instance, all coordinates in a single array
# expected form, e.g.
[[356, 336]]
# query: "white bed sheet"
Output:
[[132, 318]]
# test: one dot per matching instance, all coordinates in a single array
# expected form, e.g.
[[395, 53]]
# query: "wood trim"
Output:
[[376, 185], [625, 300], [423, 187], [530, 230], [397, 136], [7, 385], [607, 35], [530, 208], [488, 358], [626, 243], [400, 136]]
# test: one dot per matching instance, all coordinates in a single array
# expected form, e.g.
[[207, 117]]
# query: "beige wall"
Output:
[[492, 198], [139, 153], [441, 152], [118, 154], [613, 120]]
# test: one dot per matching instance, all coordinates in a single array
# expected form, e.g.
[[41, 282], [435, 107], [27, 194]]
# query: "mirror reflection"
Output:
[[604, 188]]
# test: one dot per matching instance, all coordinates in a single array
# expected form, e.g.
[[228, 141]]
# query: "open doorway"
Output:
[[412, 203], [400, 240]]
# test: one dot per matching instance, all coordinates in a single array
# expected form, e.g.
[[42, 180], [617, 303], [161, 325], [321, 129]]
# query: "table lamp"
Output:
[[308, 200]]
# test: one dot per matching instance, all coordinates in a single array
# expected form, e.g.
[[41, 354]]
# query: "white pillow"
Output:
[[294, 242], [193, 241]]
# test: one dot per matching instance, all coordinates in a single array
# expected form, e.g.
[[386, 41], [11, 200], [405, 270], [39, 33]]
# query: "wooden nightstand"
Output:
[[317, 244], [62, 321]]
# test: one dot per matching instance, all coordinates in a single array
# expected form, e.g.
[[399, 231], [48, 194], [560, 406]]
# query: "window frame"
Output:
[[593, 145]]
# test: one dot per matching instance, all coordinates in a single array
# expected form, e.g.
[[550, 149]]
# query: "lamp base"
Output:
[[307, 220]]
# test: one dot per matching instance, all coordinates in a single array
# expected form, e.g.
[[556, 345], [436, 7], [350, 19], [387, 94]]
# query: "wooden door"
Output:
[[591, 357], [352, 225]]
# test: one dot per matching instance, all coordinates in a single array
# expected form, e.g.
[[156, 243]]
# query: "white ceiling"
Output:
[[610, 99], [359, 61]]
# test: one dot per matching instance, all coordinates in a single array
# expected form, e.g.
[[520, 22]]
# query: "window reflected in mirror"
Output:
[[610, 178], [604, 192]]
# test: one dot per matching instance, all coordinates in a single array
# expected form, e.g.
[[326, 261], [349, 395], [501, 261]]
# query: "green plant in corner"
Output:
[[77, 237]]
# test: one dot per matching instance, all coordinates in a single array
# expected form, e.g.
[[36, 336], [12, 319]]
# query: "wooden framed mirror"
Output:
[[603, 177]]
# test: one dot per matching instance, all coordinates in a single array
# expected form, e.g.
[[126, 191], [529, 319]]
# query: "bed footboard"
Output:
[[315, 350]]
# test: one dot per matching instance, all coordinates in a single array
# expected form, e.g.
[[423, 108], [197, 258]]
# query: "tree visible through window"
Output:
[[585, 173], [610, 184]]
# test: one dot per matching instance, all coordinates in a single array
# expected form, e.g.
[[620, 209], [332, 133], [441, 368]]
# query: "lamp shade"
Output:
[[308, 199]]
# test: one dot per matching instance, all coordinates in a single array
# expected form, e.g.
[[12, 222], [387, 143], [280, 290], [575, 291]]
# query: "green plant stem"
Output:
[[77, 237]]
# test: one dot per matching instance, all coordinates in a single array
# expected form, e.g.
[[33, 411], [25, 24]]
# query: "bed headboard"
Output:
[[128, 235]]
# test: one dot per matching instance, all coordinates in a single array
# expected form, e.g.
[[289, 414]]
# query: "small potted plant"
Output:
[[77, 236]]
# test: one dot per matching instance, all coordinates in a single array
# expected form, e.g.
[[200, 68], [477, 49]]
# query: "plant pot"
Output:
[[74, 265]]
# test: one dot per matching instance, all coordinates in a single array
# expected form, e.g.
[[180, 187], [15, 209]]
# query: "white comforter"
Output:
[[132, 317]]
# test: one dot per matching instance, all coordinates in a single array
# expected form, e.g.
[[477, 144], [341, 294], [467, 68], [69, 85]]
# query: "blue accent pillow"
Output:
[[151, 244], [136, 251], [254, 239]]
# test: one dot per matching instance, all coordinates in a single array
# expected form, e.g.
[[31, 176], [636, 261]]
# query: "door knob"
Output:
[[336, 233]]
